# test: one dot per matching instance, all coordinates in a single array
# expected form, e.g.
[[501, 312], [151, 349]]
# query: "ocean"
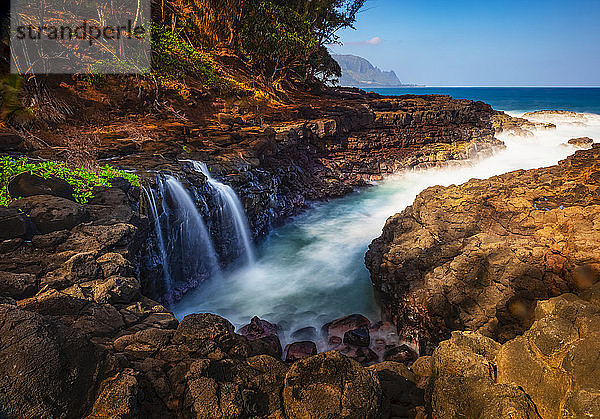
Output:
[[515, 99]]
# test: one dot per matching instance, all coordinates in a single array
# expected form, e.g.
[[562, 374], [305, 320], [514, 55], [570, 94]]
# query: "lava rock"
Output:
[[26, 184], [401, 353], [52, 213], [14, 223], [10, 142], [342, 325], [581, 142], [17, 286], [300, 350], [46, 368], [258, 328], [330, 385], [358, 337]]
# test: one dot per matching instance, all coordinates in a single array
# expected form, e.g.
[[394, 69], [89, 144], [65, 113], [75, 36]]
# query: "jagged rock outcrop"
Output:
[[478, 256], [551, 371]]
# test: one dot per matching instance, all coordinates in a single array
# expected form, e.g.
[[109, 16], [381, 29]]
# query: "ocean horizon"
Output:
[[515, 99]]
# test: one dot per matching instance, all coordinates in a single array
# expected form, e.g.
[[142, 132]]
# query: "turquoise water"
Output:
[[312, 270], [516, 99]]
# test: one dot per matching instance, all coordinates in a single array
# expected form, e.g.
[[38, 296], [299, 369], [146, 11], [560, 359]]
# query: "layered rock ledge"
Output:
[[478, 256]]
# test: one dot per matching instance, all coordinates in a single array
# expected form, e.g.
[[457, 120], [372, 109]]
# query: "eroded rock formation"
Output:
[[478, 256]]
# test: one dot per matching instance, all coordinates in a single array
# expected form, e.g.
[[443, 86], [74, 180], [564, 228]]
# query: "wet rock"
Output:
[[26, 184], [121, 183], [52, 213], [358, 337], [300, 350], [46, 369], [14, 223], [306, 333], [258, 329], [401, 353], [581, 142], [362, 355], [263, 337], [342, 325], [331, 385]]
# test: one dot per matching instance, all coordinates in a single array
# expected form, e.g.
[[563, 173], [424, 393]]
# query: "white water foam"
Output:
[[312, 270]]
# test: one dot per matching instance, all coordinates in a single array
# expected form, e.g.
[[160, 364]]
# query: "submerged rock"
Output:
[[581, 142], [358, 337]]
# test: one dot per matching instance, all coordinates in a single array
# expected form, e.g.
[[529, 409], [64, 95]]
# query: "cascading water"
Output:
[[312, 270], [186, 251], [231, 212]]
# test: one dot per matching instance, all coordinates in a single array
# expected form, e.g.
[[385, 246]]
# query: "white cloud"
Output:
[[374, 41]]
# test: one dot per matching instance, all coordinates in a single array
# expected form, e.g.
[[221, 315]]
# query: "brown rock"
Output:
[[479, 255], [26, 184], [51, 213], [329, 385], [14, 223], [581, 142], [46, 369], [17, 286]]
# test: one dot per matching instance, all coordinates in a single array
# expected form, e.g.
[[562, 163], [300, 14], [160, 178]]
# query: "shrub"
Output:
[[82, 180]]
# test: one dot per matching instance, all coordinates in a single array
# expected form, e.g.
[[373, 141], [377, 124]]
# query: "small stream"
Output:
[[311, 270]]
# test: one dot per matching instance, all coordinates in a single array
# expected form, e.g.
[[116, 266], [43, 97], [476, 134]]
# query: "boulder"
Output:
[[581, 142], [17, 286], [118, 397], [342, 325], [300, 350], [330, 385], [463, 383], [401, 353], [263, 337], [358, 337], [26, 184], [14, 223], [402, 397], [52, 213], [556, 361], [46, 369]]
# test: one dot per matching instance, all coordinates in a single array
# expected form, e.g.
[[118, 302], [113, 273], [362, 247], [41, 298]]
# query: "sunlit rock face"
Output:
[[478, 256]]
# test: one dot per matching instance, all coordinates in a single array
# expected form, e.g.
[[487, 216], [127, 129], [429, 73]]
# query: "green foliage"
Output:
[[83, 181], [283, 40], [173, 57]]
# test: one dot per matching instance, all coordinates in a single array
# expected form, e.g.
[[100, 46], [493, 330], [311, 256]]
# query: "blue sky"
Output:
[[480, 43]]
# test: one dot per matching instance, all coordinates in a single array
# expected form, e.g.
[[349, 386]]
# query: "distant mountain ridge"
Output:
[[359, 72]]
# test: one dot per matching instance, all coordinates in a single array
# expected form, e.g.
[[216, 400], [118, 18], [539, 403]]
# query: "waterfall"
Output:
[[231, 210], [186, 250], [160, 238]]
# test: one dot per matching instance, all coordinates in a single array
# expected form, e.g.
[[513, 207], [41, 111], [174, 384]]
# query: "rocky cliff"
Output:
[[80, 334], [478, 256]]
